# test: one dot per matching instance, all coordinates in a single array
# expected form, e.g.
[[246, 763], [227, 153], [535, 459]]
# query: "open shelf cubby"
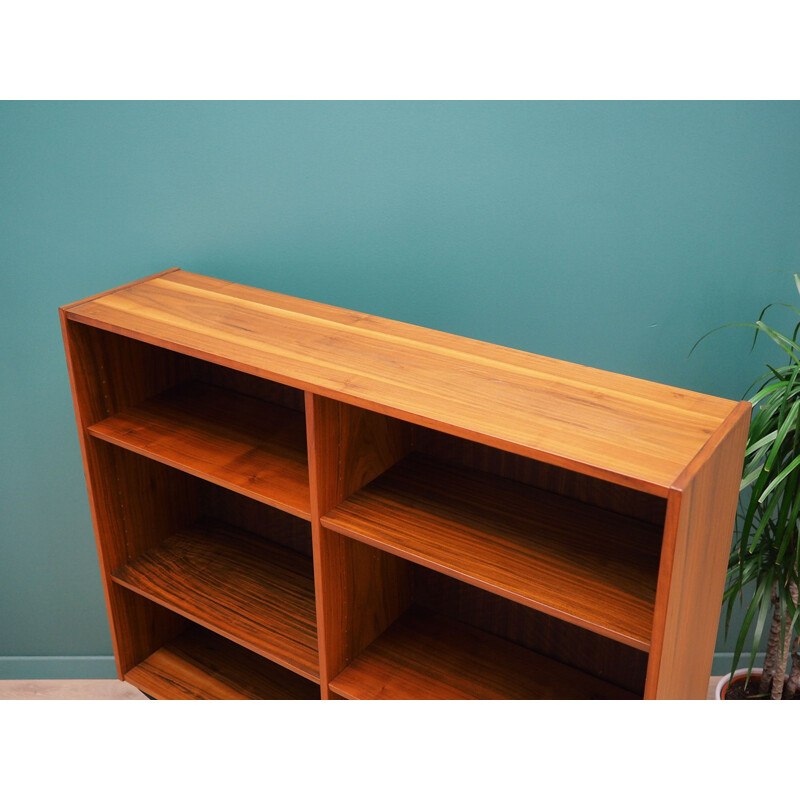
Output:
[[257, 593], [425, 654], [193, 663], [539, 548], [294, 501], [245, 444]]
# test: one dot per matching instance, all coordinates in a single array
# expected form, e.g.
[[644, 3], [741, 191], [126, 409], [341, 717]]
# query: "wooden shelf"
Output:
[[592, 567], [200, 665], [582, 515], [425, 656], [255, 593], [252, 447]]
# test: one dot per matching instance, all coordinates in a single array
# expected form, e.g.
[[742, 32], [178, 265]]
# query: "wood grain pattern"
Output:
[[241, 586], [549, 636], [360, 590], [200, 665], [106, 371], [254, 517], [583, 488], [628, 431], [697, 539], [555, 513], [235, 441], [582, 564], [423, 656]]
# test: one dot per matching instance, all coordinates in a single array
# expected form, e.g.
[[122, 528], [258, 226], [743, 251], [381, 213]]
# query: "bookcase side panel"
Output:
[[701, 510], [108, 372]]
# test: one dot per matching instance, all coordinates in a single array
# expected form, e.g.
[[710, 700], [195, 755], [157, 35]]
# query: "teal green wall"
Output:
[[610, 234]]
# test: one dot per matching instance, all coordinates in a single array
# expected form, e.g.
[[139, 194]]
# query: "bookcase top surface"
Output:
[[627, 430]]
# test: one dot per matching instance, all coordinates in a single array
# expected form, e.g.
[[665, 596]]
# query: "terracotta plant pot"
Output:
[[740, 676]]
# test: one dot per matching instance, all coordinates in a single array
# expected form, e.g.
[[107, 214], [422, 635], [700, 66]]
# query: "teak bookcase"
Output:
[[293, 500]]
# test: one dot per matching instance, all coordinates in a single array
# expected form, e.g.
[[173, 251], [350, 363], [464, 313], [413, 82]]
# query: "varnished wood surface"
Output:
[[697, 538], [582, 564], [255, 593], [107, 372], [423, 656], [360, 590], [200, 665], [629, 431], [547, 635], [576, 556], [239, 442], [582, 488]]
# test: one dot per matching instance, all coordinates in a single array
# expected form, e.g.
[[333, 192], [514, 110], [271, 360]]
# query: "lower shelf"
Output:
[[254, 592], [424, 656], [199, 665]]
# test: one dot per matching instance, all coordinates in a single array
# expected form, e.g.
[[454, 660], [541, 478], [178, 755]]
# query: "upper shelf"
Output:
[[583, 564], [255, 448], [625, 430]]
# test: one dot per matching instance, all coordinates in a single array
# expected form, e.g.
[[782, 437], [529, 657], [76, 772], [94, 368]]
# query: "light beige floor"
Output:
[[105, 690], [68, 690]]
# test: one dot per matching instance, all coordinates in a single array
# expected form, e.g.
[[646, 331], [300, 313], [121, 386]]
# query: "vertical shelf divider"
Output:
[[360, 591]]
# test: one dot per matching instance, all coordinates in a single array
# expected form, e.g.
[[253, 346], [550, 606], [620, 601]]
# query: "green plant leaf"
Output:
[[780, 478], [764, 440], [755, 604], [764, 551], [784, 342]]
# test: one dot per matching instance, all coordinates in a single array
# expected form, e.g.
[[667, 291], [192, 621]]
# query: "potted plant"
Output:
[[765, 552]]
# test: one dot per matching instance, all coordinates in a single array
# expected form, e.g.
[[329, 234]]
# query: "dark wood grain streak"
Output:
[[236, 441], [579, 563], [423, 656], [200, 665], [255, 593]]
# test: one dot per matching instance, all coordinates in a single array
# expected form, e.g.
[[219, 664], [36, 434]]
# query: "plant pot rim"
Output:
[[723, 682]]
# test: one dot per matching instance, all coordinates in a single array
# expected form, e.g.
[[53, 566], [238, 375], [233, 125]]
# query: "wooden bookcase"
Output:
[[293, 500]]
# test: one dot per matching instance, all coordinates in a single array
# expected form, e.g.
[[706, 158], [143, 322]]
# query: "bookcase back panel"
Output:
[[117, 372], [262, 520], [250, 385], [113, 372], [445, 639], [154, 501], [583, 488], [176, 659], [568, 644], [140, 627]]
